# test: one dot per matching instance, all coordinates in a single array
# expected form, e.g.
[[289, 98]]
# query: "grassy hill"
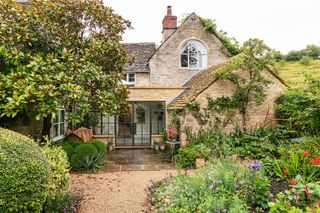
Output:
[[293, 73]]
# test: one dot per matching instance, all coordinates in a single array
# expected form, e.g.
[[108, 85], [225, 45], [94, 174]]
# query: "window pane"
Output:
[[56, 119], [96, 123], [193, 62], [157, 122], [185, 49], [192, 48], [200, 60], [108, 125], [132, 77], [124, 76], [62, 129], [141, 115], [55, 130], [62, 116], [184, 60]]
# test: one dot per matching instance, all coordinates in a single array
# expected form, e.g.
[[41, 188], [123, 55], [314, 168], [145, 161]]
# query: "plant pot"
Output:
[[110, 147], [156, 147], [162, 147], [200, 162]]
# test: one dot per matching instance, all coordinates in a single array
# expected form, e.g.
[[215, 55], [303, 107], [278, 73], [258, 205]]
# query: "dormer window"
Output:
[[193, 55]]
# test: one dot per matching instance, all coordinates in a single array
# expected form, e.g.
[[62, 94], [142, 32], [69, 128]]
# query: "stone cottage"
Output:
[[167, 77]]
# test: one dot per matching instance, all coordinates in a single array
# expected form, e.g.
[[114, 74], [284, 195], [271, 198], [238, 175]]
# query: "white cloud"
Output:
[[283, 24]]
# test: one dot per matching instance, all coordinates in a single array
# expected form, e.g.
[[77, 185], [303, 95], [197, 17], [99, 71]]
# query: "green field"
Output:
[[293, 73]]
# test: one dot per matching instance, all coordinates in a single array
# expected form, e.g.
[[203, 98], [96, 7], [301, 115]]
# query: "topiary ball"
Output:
[[86, 150], [74, 144], [24, 172], [69, 150], [75, 162], [100, 146]]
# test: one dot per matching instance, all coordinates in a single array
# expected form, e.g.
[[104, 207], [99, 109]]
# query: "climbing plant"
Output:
[[245, 72], [175, 116], [230, 43]]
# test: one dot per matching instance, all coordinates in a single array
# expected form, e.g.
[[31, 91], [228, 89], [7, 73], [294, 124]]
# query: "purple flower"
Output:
[[254, 166]]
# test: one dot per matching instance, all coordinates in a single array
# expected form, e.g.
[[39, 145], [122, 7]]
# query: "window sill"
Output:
[[57, 138]]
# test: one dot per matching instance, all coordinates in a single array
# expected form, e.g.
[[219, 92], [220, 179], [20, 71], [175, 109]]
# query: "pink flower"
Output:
[[172, 132], [307, 191]]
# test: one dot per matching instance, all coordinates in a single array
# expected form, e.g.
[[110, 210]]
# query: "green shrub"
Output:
[[69, 150], [305, 60], [86, 150], [63, 202], [59, 165], [186, 157], [74, 144], [75, 162], [101, 147], [299, 110], [24, 172]]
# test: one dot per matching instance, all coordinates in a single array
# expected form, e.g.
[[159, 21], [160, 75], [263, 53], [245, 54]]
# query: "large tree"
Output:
[[60, 54]]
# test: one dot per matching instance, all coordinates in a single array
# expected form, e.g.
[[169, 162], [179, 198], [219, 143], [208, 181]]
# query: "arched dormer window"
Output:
[[193, 55]]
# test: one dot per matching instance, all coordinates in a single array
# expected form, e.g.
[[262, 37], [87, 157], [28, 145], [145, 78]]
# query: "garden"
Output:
[[274, 168]]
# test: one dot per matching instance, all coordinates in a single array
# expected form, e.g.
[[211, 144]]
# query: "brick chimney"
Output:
[[169, 24]]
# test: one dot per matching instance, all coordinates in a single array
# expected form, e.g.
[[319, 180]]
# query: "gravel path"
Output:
[[120, 192]]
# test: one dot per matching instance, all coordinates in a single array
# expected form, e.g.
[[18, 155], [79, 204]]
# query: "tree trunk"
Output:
[[244, 120], [46, 127]]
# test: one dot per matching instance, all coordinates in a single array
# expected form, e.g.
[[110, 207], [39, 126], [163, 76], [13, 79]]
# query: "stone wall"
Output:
[[257, 115], [142, 79], [165, 64], [165, 94]]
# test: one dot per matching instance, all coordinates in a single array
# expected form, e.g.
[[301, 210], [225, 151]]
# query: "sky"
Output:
[[282, 24]]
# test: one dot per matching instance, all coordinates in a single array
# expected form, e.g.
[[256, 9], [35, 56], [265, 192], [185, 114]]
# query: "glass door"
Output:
[[125, 130], [142, 123]]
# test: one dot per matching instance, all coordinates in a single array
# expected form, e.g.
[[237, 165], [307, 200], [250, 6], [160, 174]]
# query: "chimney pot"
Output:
[[169, 11]]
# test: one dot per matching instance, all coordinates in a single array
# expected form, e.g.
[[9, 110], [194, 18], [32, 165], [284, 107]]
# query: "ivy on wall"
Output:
[[230, 43], [218, 113]]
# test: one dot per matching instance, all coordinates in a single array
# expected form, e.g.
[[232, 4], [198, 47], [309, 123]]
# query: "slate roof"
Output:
[[199, 83], [141, 52]]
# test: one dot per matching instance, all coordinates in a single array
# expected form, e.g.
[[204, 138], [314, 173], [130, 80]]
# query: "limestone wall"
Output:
[[165, 64], [256, 115]]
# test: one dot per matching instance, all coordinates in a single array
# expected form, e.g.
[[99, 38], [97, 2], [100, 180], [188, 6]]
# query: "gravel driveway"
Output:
[[115, 191]]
